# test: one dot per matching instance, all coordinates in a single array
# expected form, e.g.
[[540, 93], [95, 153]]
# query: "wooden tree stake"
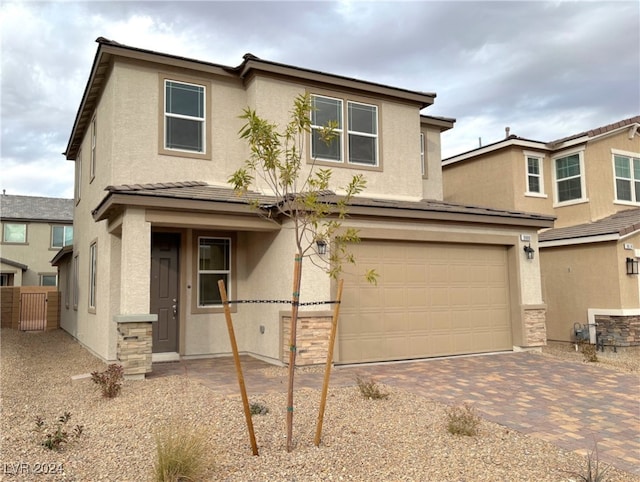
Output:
[[297, 276]]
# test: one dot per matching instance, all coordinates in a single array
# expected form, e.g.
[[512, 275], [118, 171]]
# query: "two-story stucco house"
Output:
[[157, 224], [33, 230], [591, 183]]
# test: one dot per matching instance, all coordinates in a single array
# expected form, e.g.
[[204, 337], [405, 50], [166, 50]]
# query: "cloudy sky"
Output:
[[545, 69]]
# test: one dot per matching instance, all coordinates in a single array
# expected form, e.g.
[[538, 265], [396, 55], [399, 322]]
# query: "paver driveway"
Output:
[[569, 404]]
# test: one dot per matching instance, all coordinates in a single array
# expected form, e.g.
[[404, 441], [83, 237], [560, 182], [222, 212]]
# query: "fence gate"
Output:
[[33, 311]]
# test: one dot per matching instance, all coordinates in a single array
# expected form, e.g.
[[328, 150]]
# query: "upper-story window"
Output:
[[535, 180], [361, 147], [14, 233], [78, 185], [569, 178], [627, 172], [61, 236], [422, 155], [184, 114], [92, 164]]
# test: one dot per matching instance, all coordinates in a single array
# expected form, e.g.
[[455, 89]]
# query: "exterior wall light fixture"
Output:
[[321, 244], [529, 251], [632, 266]]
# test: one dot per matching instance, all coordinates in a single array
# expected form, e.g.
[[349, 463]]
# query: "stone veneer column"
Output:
[[313, 333], [135, 344], [535, 326]]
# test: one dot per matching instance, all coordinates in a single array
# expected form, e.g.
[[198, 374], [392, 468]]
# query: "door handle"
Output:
[[175, 307]]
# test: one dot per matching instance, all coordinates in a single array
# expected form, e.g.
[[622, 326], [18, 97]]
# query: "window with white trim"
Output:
[[361, 147], [14, 233], [76, 288], [48, 280], [78, 185], [627, 173], [214, 264], [535, 181], [184, 116], [569, 178], [92, 163], [61, 236], [422, 157], [93, 273]]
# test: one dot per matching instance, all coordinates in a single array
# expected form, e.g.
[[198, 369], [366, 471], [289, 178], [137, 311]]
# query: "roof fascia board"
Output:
[[251, 67], [540, 146], [585, 138], [443, 124], [582, 240]]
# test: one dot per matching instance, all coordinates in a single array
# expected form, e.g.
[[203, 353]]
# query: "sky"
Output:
[[547, 70]]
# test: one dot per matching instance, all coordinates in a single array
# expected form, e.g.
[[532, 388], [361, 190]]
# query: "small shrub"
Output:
[[58, 436], [110, 380], [370, 389], [462, 420], [181, 454], [258, 408], [589, 351], [593, 471]]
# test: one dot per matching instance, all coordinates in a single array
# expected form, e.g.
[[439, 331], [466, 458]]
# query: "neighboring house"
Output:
[[591, 183], [34, 229], [157, 225]]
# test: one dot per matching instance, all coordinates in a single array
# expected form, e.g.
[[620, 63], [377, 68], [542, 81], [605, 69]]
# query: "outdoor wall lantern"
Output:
[[528, 250], [632, 266], [321, 244]]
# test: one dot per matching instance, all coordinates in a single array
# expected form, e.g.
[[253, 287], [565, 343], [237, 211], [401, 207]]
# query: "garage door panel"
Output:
[[432, 299]]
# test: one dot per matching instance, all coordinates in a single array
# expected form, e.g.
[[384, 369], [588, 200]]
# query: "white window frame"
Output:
[[76, 275], [64, 227], [583, 189], [92, 164], [78, 187], [540, 157], [362, 134], [631, 156], [422, 156], [202, 120], [4, 233], [227, 272], [42, 276], [343, 133], [93, 274]]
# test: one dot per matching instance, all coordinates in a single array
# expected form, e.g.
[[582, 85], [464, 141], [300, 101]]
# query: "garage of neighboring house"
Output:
[[432, 299]]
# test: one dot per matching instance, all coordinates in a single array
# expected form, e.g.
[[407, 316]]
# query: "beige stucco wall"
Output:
[[580, 277], [36, 253], [432, 181]]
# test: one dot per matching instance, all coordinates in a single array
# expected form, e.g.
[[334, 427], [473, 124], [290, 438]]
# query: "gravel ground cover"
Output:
[[401, 438]]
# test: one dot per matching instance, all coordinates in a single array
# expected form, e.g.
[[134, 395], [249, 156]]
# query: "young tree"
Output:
[[277, 159]]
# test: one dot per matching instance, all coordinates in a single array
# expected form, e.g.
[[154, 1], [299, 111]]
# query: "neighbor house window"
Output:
[[422, 158], [361, 147], [78, 186], [61, 236], [76, 288], [92, 164], [48, 280], [93, 272], [184, 112], [569, 178], [6, 279], [535, 182], [627, 172], [14, 233], [214, 264]]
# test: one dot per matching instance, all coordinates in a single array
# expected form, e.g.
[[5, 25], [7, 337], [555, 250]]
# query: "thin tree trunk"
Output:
[[295, 300]]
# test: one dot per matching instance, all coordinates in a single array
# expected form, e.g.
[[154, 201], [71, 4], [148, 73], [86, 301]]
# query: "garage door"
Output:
[[431, 300]]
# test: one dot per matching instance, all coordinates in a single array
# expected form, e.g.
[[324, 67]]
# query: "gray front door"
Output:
[[165, 276]]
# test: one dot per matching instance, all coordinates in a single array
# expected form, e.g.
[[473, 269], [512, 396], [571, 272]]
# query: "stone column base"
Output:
[[135, 344]]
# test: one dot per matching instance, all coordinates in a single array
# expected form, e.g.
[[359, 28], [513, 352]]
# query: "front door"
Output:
[[165, 275]]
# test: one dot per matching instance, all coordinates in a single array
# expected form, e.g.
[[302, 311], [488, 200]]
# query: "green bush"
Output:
[[370, 389], [462, 420], [589, 351], [57, 436], [593, 471], [181, 454], [258, 408], [110, 380]]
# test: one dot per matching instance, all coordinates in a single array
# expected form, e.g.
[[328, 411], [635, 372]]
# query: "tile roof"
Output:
[[196, 190], [36, 208], [599, 130], [620, 224]]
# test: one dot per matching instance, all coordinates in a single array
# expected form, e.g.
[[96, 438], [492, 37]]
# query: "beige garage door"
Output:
[[431, 300]]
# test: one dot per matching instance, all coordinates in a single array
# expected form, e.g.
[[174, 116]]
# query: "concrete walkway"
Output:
[[569, 404]]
